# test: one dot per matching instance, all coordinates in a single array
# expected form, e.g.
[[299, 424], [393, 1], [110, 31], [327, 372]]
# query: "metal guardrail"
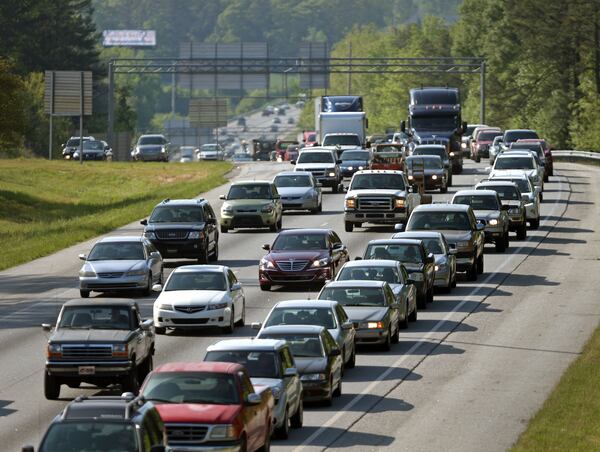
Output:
[[591, 157]]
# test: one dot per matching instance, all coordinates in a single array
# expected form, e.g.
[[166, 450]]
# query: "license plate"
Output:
[[171, 251], [87, 370]]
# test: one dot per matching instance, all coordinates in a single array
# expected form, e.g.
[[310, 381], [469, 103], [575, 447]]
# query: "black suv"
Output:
[[99, 342], [106, 423], [184, 228]]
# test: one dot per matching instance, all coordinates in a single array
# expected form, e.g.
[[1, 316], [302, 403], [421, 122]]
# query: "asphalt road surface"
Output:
[[467, 376]]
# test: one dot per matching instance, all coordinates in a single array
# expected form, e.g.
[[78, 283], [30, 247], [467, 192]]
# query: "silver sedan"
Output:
[[299, 191]]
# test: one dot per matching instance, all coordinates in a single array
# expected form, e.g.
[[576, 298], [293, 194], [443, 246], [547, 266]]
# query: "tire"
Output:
[[273, 227], [51, 387], [265, 287], [320, 208], [280, 224], [84, 293], [266, 447], [422, 301], [242, 320], [215, 254], [480, 264], [203, 257], [453, 284], [335, 188], [546, 178], [130, 383], [472, 272], [297, 420], [501, 244], [148, 290], [522, 231], [351, 364], [430, 295], [224, 229], [348, 226], [477, 158], [444, 189], [283, 432], [450, 181], [413, 315], [229, 328], [160, 330], [507, 239], [146, 368], [327, 401], [338, 389], [535, 223], [403, 324], [387, 345]]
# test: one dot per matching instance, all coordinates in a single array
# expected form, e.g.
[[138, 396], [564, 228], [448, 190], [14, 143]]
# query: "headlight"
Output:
[[360, 168], [140, 272], [120, 350], [320, 263], [223, 432], [451, 154], [150, 235], [416, 276], [372, 325], [227, 209], [313, 377], [462, 244], [350, 203], [350, 168], [163, 150], [309, 194], [214, 307], [165, 307], [53, 350], [399, 202], [267, 209], [276, 393], [87, 273], [441, 267], [331, 174], [410, 177], [463, 145], [434, 177], [436, 268], [493, 222], [265, 263], [194, 235]]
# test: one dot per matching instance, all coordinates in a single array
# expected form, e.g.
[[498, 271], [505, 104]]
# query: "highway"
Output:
[[466, 376]]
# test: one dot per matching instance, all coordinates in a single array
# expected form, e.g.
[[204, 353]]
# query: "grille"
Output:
[[190, 309], [290, 198], [292, 278], [86, 351], [375, 203], [177, 433], [247, 220], [291, 266], [443, 142], [246, 210], [107, 286], [110, 275], [189, 321], [171, 234], [317, 172]]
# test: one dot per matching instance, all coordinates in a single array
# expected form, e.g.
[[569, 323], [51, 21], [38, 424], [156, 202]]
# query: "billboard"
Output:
[[129, 38]]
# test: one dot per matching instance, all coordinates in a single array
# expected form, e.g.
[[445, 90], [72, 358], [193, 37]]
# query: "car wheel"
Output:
[[148, 289], [352, 361], [84, 293], [480, 264], [329, 399], [130, 382], [422, 301], [242, 320], [320, 208], [280, 224], [160, 330], [501, 244], [348, 226], [297, 419], [412, 317], [266, 447], [444, 189], [338, 389], [477, 158], [203, 257], [450, 181], [472, 272], [402, 325], [430, 295], [265, 287], [535, 223], [522, 231], [145, 368], [229, 328], [453, 284], [224, 229], [51, 387], [387, 345], [215, 254], [507, 239], [283, 432]]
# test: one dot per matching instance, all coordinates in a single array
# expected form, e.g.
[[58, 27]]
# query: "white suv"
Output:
[[323, 164]]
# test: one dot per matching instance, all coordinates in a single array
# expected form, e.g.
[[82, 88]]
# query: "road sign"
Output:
[[64, 91], [129, 38], [210, 113]]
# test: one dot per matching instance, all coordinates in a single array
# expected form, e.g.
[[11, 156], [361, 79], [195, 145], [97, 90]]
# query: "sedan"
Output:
[[120, 263], [329, 314], [200, 296], [299, 190], [354, 160], [317, 358]]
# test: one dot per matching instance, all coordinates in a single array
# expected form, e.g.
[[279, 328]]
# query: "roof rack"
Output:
[[132, 402], [166, 200]]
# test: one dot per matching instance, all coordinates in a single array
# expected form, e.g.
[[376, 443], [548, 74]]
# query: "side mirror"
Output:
[[335, 352], [347, 325], [399, 227], [338, 162], [290, 372], [256, 325], [155, 255], [480, 227], [488, 169], [415, 188], [224, 197], [525, 198], [430, 259], [82, 257], [266, 247], [46, 327], [253, 399], [236, 286], [157, 288], [319, 184], [144, 222], [146, 325], [452, 251], [338, 246], [293, 162], [505, 207], [30, 448]]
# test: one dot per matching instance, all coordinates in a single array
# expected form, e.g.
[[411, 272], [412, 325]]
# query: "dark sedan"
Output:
[[302, 256], [353, 161], [427, 170]]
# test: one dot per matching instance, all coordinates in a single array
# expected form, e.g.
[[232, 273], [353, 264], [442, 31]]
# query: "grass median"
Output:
[[570, 419], [47, 206]]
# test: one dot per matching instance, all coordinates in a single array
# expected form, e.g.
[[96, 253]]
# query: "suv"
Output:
[[184, 228], [253, 204], [511, 197], [458, 224], [490, 212], [106, 423], [98, 343], [151, 148], [378, 196], [323, 164], [211, 151], [72, 146], [526, 187]]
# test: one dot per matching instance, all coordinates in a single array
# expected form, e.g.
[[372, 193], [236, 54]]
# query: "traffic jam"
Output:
[[247, 393]]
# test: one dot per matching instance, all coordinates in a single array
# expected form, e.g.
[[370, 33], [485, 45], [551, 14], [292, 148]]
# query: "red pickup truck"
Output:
[[211, 406]]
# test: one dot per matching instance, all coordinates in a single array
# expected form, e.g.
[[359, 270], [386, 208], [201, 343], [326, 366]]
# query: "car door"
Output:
[[394, 313], [210, 226], [250, 413], [336, 365], [412, 199], [276, 201], [292, 383], [317, 188], [154, 260], [339, 253], [236, 293], [346, 335], [141, 337], [477, 234], [428, 267], [450, 258]]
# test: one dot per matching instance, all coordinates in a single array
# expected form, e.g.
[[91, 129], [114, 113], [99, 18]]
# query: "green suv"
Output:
[[254, 204]]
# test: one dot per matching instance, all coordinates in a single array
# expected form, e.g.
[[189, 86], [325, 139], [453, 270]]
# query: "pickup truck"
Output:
[[378, 196], [211, 406], [100, 343]]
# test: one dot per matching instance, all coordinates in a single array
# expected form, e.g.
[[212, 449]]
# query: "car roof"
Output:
[[103, 407], [316, 149], [247, 344], [513, 174], [100, 302], [355, 283], [496, 183], [293, 329], [181, 202], [152, 135], [438, 146], [121, 238], [293, 173], [417, 234], [305, 303], [442, 208], [476, 193], [199, 366], [419, 157], [371, 263], [376, 171], [197, 268], [394, 242], [519, 130], [305, 231], [252, 182]]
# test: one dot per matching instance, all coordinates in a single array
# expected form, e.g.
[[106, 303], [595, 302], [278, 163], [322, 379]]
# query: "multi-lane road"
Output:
[[467, 376]]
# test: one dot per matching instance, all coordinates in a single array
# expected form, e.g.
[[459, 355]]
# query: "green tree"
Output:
[[12, 114]]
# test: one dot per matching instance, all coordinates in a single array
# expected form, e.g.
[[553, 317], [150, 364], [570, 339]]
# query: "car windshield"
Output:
[[177, 214], [512, 136], [355, 155], [192, 387], [90, 436], [151, 140], [209, 148], [187, 280], [302, 316], [187, 152], [74, 142], [436, 221], [354, 296], [522, 184], [117, 251], [440, 152], [434, 122], [381, 181], [427, 163], [497, 140], [487, 136], [477, 202], [520, 163], [300, 242], [535, 147], [315, 157], [388, 149], [506, 192], [249, 191], [258, 363], [370, 273], [341, 140], [407, 253], [292, 181], [302, 345], [96, 317], [93, 145]]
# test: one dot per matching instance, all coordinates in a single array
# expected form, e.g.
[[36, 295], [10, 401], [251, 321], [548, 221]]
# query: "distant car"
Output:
[[151, 148], [512, 135], [270, 363], [326, 313], [93, 150], [274, 128], [372, 307], [511, 196], [302, 257], [200, 296], [441, 152], [354, 160], [72, 146], [547, 152], [242, 157], [291, 152], [390, 271], [120, 263], [299, 191], [445, 257], [535, 147], [211, 152], [251, 204], [490, 212], [495, 148], [480, 145], [388, 156], [291, 120], [323, 164], [276, 120], [214, 406], [509, 162], [430, 169], [187, 154], [309, 138], [526, 187], [317, 357], [465, 144]]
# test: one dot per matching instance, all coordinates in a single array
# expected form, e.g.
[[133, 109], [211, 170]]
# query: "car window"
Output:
[[434, 245], [302, 345], [335, 239], [96, 317], [315, 157], [389, 295], [302, 316], [192, 387], [477, 202], [104, 251], [258, 363], [300, 241], [370, 273], [434, 221], [377, 181], [177, 214], [286, 357], [328, 341], [292, 181], [342, 316], [187, 280], [354, 296], [248, 191], [400, 252], [94, 435], [507, 192]]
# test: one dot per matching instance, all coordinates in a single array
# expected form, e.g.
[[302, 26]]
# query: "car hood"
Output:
[[432, 134], [258, 203], [149, 147], [63, 335], [113, 266], [456, 236], [376, 192], [511, 202], [190, 297], [486, 214], [310, 365], [431, 171], [309, 166], [294, 191], [502, 172], [365, 313], [179, 226], [268, 382], [277, 255], [412, 267], [197, 413]]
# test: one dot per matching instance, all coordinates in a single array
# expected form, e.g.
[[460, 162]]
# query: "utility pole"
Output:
[[349, 67]]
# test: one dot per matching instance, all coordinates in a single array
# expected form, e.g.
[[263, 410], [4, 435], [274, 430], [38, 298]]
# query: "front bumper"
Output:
[[187, 249], [102, 369], [465, 259], [212, 446], [371, 336], [347, 172], [382, 217], [328, 181], [205, 318], [248, 220], [442, 277], [531, 211], [299, 203], [315, 390], [493, 234], [158, 157], [98, 284], [308, 276]]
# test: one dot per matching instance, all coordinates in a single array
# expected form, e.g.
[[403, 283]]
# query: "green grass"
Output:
[[47, 206], [570, 418]]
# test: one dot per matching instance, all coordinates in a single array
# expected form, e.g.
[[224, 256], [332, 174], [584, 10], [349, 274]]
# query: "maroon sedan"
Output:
[[302, 256]]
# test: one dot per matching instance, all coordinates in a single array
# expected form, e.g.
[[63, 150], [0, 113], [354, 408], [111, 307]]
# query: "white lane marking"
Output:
[[437, 326]]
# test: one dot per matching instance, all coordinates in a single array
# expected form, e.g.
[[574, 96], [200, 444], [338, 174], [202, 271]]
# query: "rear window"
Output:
[[477, 202], [94, 435], [515, 135], [354, 296], [380, 181], [407, 253], [438, 221], [315, 157], [487, 136], [517, 163], [506, 192]]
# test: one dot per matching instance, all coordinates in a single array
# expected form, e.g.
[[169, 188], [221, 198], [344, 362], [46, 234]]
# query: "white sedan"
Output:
[[198, 296]]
